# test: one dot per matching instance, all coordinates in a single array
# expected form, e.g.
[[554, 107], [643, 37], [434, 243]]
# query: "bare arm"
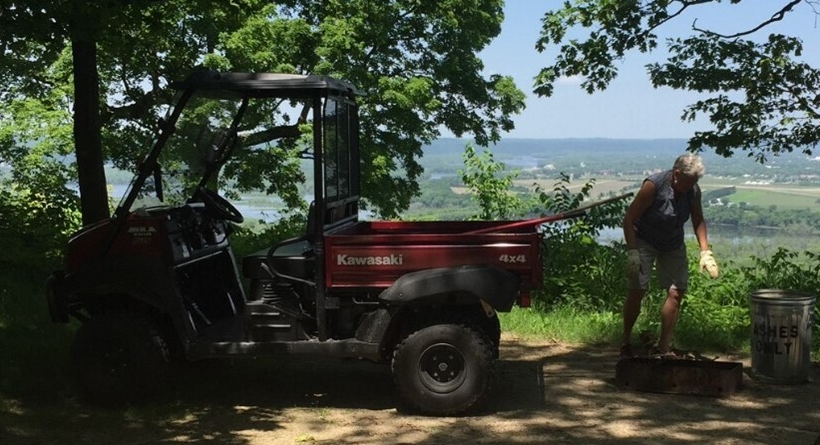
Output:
[[698, 223], [643, 200]]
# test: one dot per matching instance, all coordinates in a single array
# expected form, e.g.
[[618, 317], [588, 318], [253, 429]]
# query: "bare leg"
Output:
[[669, 317], [632, 308]]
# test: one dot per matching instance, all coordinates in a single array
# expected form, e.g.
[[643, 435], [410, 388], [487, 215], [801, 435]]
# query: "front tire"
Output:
[[443, 369], [120, 357]]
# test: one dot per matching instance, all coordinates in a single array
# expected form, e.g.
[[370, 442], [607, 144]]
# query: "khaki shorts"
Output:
[[673, 268]]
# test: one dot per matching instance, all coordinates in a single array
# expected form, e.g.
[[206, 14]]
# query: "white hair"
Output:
[[690, 165]]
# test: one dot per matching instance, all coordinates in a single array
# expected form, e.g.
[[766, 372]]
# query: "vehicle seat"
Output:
[[292, 257]]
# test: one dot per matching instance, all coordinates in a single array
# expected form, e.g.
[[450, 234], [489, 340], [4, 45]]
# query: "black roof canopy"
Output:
[[266, 85]]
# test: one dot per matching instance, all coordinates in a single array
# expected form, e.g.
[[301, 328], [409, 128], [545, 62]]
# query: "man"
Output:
[[653, 231]]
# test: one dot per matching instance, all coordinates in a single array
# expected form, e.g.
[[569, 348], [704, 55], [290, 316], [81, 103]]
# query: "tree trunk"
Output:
[[87, 137]]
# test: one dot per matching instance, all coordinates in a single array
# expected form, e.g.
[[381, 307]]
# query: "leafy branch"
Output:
[[776, 17], [763, 98]]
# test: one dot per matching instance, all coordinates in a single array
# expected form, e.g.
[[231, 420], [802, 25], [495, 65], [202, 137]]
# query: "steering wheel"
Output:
[[219, 206]]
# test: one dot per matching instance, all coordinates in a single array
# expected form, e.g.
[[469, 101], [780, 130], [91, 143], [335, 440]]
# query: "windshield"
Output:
[[206, 129], [200, 141]]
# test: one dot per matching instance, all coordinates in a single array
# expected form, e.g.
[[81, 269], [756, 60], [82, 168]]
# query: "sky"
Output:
[[630, 108]]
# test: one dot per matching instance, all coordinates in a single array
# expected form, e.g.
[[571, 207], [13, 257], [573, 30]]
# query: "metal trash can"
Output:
[[781, 335]]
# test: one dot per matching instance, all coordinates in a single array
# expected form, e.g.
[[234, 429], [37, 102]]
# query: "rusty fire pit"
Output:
[[696, 377]]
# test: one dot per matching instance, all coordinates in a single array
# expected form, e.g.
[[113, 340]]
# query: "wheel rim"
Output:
[[113, 360], [441, 368]]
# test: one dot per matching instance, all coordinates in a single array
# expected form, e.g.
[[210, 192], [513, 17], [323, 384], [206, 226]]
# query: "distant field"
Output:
[[764, 198], [602, 186], [785, 196]]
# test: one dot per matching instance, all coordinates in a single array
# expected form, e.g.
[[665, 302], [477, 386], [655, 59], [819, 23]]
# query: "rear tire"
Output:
[[492, 327], [120, 357], [443, 369]]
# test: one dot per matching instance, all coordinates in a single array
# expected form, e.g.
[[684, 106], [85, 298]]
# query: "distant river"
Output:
[[740, 243], [252, 212], [717, 234]]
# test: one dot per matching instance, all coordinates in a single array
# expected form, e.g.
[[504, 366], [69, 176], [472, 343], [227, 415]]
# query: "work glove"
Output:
[[707, 262], [633, 263]]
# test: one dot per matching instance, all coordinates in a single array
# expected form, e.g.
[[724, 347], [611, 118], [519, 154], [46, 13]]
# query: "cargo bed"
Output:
[[373, 254]]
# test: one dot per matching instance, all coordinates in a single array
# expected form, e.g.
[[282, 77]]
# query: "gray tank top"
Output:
[[662, 223]]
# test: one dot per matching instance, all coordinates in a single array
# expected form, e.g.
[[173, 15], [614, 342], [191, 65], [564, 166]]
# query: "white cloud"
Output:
[[571, 80]]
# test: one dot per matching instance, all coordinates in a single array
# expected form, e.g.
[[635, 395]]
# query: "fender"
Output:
[[70, 293], [469, 284], [148, 282]]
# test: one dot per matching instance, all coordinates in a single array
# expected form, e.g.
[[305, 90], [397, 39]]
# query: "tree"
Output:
[[417, 61], [37, 211], [763, 98], [489, 185], [84, 31], [35, 36]]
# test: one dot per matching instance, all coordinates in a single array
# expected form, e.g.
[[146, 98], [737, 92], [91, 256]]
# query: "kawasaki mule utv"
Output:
[[159, 278]]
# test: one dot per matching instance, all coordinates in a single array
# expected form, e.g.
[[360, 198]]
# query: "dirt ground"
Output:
[[546, 393]]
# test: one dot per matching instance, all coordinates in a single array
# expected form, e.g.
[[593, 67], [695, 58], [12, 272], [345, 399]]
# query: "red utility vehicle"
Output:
[[159, 279]]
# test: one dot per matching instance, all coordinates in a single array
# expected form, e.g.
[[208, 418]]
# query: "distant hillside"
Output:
[[626, 156], [530, 147]]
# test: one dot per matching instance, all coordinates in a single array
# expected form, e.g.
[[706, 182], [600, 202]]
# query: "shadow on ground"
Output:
[[545, 393]]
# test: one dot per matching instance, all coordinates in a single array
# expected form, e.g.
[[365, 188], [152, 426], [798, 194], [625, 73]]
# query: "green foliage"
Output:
[[619, 30], [245, 241], [777, 107], [578, 271], [714, 313], [488, 186], [37, 210], [438, 201], [36, 222], [416, 61], [785, 269], [777, 112]]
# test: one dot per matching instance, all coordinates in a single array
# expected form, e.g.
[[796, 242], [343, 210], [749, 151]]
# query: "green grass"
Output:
[[564, 324], [767, 198], [696, 330], [784, 196], [701, 326]]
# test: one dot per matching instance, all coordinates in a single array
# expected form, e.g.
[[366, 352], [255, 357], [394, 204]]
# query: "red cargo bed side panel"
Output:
[[375, 254]]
